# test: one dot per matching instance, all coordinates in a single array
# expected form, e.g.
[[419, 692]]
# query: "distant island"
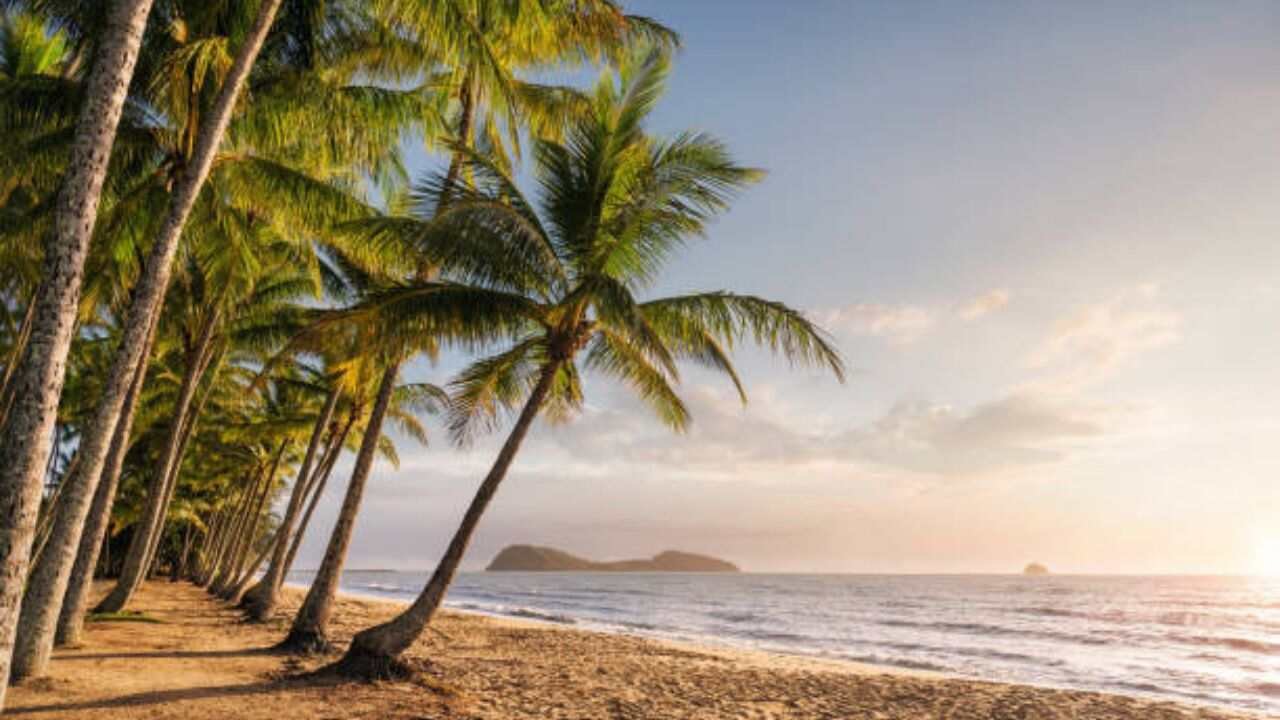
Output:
[[1035, 569], [531, 558]]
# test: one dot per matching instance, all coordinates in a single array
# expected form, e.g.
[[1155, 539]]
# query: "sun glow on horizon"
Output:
[[1266, 555]]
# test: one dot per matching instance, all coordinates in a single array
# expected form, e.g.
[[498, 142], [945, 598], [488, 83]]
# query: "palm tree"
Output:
[[243, 171], [308, 633], [473, 51], [25, 437], [616, 204]]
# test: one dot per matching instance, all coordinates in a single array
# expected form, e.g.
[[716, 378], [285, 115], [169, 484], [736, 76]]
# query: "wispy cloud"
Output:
[[1092, 342], [983, 305], [1017, 430], [898, 324], [905, 324]]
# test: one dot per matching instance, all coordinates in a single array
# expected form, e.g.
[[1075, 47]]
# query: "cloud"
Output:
[[1016, 430], [1094, 341], [906, 324], [918, 438], [984, 304], [899, 324]]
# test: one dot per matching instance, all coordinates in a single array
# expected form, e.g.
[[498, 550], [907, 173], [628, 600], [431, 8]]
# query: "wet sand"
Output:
[[203, 662]]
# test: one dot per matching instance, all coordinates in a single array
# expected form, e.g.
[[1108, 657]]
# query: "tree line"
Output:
[[214, 266]]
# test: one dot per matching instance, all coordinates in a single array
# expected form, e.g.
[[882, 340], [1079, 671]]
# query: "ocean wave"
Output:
[[1235, 643], [383, 587], [907, 663], [736, 617], [540, 615], [988, 630], [1270, 689]]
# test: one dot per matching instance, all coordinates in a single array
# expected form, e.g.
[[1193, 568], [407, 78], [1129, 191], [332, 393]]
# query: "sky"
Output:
[[1044, 236]]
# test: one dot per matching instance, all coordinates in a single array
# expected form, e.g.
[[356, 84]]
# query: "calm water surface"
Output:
[[1212, 640]]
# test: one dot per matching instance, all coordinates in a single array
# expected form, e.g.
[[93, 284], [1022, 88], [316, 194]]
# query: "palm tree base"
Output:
[[362, 664], [256, 608], [305, 642]]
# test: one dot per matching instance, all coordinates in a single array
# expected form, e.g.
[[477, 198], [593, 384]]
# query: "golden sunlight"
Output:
[[1266, 555]]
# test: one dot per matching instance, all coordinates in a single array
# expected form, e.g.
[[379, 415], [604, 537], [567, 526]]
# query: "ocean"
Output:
[[1212, 640]]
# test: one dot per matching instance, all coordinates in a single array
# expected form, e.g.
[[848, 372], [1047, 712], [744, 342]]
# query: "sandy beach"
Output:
[[202, 661]]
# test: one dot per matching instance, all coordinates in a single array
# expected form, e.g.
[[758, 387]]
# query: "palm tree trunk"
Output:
[[227, 534], [150, 290], [309, 631], [51, 573], [71, 617], [258, 523], [231, 544], [180, 563], [192, 420], [374, 652], [25, 439], [206, 545], [246, 530], [262, 599], [137, 557], [45, 526], [318, 484], [236, 594]]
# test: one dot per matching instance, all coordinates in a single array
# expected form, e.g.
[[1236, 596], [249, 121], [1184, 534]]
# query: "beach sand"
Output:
[[203, 662]]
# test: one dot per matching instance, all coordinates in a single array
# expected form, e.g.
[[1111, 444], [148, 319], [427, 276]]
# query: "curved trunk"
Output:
[[70, 623], [374, 652], [206, 545], [27, 433], [150, 291], [229, 528], [236, 594], [136, 557], [171, 482], [317, 490], [308, 633], [245, 532], [257, 523], [44, 528], [262, 599], [179, 568]]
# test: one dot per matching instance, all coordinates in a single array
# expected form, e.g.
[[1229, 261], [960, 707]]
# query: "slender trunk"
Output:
[[192, 420], [258, 523], [374, 652], [310, 626], [151, 287], [25, 438], [93, 538], [206, 545], [136, 560], [242, 530], [180, 563], [262, 600], [318, 484], [45, 526], [236, 594], [228, 529]]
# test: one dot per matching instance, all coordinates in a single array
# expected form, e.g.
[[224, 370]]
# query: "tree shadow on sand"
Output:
[[171, 654], [155, 697]]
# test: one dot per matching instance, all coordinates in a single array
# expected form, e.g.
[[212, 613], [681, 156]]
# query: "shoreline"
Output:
[[778, 659], [702, 643], [202, 661]]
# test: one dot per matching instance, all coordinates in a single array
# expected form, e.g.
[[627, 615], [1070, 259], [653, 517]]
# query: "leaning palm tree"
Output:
[[372, 378], [26, 437], [615, 205]]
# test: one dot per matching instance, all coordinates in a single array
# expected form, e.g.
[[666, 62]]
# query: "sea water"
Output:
[[1213, 640]]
